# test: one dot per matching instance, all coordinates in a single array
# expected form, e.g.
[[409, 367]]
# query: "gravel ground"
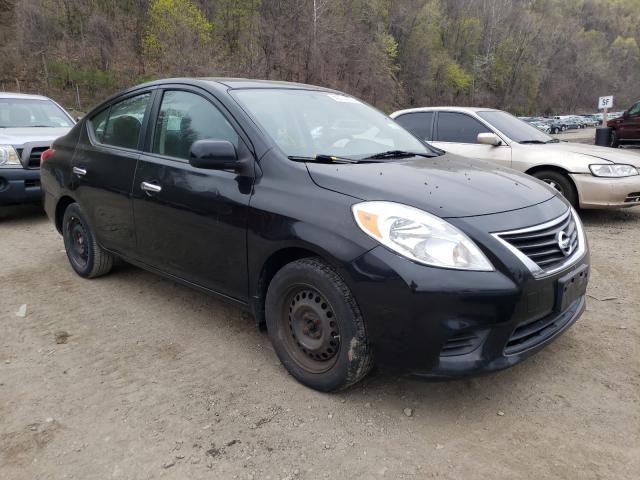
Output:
[[132, 376]]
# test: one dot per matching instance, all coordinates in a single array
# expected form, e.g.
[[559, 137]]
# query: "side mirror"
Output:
[[489, 139], [213, 155]]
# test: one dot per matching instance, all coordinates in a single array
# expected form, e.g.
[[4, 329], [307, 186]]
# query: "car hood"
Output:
[[20, 136], [446, 186], [614, 155]]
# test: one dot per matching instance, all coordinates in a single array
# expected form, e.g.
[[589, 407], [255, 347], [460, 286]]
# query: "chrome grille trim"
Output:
[[535, 269]]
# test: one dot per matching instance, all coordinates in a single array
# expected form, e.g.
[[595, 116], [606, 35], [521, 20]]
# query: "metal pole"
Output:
[[605, 117]]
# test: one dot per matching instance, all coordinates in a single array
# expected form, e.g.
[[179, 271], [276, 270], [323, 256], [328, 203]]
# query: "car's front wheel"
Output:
[[86, 257], [560, 182], [316, 326], [615, 141]]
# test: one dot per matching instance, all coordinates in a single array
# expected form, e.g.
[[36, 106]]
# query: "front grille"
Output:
[[633, 197], [461, 344], [34, 157], [541, 244], [531, 333]]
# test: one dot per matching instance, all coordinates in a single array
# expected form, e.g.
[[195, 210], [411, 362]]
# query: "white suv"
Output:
[[28, 126]]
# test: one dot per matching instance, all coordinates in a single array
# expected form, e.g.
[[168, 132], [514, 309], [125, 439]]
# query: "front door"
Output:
[[190, 222], [104, 166], [457, 133]]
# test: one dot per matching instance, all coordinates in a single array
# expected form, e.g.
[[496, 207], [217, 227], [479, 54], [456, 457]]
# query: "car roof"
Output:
[[235, 83], [444, 109], [22, 95]]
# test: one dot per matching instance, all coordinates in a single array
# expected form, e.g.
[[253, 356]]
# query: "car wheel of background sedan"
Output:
[[86, 257], [316, 326], [561, 183], [563, 128], [615, 141]]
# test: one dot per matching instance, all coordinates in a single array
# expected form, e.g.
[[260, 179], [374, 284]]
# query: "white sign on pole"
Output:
[[605, 102]]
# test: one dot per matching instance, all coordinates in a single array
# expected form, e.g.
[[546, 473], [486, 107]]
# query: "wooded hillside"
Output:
[[527, 56]]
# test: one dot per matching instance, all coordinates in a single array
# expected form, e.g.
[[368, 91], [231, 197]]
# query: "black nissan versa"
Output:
[[352, 240]]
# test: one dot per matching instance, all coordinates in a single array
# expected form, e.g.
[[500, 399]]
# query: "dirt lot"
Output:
[[158, 381]]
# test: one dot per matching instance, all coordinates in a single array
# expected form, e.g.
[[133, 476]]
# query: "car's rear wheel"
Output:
[[316, 326], [86, 257], [560, 182]]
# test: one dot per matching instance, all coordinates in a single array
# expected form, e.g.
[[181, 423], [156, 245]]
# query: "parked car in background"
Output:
[[626, 128], [590, 120], [588, 176], [28, 126], [555, 126], [348, 236], [542, 126]]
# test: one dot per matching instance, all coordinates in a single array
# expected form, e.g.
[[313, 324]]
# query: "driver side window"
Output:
[[184, 118], [458, 128]]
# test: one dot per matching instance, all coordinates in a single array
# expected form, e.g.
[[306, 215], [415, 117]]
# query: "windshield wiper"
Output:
[[326, 159], [553, 140], [400, 154], [538, 142]]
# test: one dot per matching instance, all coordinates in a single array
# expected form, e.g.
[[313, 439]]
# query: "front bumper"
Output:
[[448, 323], [600, 192], [19, 185]]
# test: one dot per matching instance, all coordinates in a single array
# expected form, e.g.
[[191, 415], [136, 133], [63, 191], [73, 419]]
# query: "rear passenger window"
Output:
[[121, 124], [418, 123], [459, 128], [184, 118], [125, 122], [99, 124]]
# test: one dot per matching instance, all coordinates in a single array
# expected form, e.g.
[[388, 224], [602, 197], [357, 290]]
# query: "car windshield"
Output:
[[515, 129], [28, 112], [307, 123]]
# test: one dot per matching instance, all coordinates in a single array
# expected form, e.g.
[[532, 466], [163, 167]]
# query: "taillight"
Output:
[[46, 154]]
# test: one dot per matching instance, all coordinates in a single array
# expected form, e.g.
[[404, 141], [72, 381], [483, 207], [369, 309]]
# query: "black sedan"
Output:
[[349, 238]]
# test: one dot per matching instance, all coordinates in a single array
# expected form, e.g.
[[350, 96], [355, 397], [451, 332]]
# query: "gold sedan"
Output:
[[587, 175]]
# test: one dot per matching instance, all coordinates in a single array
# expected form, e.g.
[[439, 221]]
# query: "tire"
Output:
[[86, 257], [564, 128], [560, 182], [555, 131], [615, 141], [316, 327]]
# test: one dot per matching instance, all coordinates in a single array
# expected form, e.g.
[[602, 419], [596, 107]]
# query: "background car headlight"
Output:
[[419, 236], [613, 170], [8, 156]]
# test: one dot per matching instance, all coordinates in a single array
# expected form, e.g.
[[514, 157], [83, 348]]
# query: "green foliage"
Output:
[[456, 78], [169, 22]]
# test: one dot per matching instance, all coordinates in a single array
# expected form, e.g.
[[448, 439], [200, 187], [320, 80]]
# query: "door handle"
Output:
[[151, 187], [81, 172]]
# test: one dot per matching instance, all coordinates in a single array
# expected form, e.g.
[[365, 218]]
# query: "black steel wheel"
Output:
[[86, 257], [316, 327], [314, 334]]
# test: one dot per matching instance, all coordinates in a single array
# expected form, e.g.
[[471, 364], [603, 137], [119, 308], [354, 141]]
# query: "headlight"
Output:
[[419, 236], [8, 156], [613, 170]]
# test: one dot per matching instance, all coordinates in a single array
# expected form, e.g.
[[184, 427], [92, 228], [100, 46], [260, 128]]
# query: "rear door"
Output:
[[104, 166], [457, 132], [190, 222], [418, 123]]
